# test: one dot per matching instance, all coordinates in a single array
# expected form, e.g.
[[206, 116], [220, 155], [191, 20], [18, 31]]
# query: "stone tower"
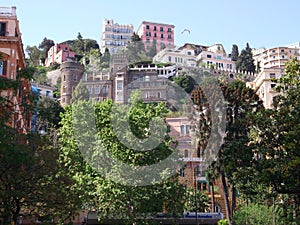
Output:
[[71, 74]]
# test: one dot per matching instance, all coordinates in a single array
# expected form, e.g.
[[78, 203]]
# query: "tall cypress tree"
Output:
[[245, 61], [234, 52]]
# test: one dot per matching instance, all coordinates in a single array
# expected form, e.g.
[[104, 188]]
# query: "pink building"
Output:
[[163, 34], [58, 53]]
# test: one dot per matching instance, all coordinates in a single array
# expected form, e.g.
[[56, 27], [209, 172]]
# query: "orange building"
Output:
[[12, 60]]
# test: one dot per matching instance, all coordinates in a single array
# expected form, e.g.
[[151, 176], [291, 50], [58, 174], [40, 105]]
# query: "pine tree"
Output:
[[245, 61]]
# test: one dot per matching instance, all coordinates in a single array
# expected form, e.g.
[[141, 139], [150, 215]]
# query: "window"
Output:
[[135, 77], [273, 86], [282, 50], [182, 172], [208, 56], [158, 95], [170, 58], [48, 93], [169, 36], [168, 128], [104, 89], [161, 29], [182, 129], [186, 153], [272, 75], [119, 85], [2, 29], [198, 152], [155, 35], [74, 77], [147, 78], [3, 68], [154, 28], [189, 53], [141, 77], [97, 89], [161, 35], [90, 89], [147, 27], [282, 56], [64, 78], [169, 29], [148, 34], [187, 129]]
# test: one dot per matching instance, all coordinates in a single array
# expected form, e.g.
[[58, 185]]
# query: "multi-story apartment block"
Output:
[[59, 53], [182, 56], [277, 57], [192, 175], [99, 86], [115, 36], [264, 86], [216, 55], [11, 61], [163, 34]]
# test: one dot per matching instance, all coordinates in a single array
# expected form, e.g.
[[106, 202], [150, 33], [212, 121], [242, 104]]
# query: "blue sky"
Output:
[[261, 23]]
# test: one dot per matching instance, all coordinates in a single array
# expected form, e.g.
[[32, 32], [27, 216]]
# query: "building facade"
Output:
[[115, 36], [71, 74], [59, 53], [277, 57], [162, 34], [216, 56], [264, 86], [11, 62]]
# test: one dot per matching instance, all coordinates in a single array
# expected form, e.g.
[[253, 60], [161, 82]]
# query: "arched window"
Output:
[[186, 153]]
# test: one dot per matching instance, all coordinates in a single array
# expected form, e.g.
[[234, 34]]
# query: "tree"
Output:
[[245, 61], [234, 52], [135, 50], [254, 214], [275, 137], [234, 155], [109, 191], [29, 183], [34, 55], [80, 93], [45, 45], [186, 82], [197, 201]]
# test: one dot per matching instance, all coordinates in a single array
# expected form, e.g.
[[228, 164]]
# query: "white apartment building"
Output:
[[216, 56], [276, 57], [264, 86], [175, 56], [115, 36]]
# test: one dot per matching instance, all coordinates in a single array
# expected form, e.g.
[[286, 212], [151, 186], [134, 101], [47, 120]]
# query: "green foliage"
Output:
[[186, 82], [223, 222], [135, 50], [254, 214], [152, 51], [234, 52], [95, 184], [245, 61], [80, 93], [196, 202]]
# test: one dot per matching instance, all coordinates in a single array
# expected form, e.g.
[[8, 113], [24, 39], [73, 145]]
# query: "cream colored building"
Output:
[[181, 56], [264, 86], [216, 55], [276, 57]]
